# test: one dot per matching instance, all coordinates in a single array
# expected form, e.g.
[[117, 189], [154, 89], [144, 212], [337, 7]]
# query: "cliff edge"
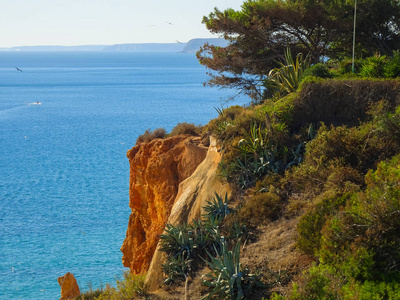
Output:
[[156, 170], [192, 195]]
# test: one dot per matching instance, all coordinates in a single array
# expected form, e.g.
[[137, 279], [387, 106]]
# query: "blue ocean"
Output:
[[64, 175]]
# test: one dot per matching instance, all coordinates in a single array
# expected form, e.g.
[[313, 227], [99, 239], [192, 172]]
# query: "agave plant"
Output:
[[227, 279], [217, 208], [177, 240], [286, 79], [176, 268]]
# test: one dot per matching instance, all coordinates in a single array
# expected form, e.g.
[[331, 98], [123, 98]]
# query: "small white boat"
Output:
[[35, 103]]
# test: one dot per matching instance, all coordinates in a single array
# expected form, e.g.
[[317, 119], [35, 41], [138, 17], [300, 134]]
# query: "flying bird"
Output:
[[169, 23], [178, 42], [18, 69]]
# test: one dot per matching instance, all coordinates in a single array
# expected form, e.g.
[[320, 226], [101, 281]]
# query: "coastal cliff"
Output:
[[156, 170], [192, 195]]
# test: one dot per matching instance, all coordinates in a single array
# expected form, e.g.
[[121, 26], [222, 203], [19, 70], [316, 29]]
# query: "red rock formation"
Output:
[[192, 195], [69, 286], [156, 170]]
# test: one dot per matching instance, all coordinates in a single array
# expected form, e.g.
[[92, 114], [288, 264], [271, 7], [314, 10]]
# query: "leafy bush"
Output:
[[340, 102], [148, 135], [392, 67], [261, 208], [257, 154], [371, 221], [320, 70], [345, 66], [130, 287], [186, 128], [373, 66], [311, 224], [228, 279]]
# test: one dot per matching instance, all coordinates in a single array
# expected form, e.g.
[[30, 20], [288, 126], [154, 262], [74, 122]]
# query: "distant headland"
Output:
[[184, 47]]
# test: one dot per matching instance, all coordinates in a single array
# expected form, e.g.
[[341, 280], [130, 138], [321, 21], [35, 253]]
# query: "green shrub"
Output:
[[365, 235], [340, 102], [186, 128], [130, 287], [148, 135], [345, 66], [389, 125], [373, 66], [319, 70], [392, 67], [311, 224], [261, 208], [262, 151]]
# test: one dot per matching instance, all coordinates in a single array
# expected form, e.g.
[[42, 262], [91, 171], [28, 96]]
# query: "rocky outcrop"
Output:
[[193, 193], [156, 170], [69, 286]]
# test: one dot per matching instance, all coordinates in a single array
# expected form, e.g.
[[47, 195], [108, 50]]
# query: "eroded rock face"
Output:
[[69, 286], [156, 170], [192, 195]]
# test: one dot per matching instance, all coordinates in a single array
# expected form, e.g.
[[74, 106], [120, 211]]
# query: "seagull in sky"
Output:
[[18, 69], [178, 42], [169, 23]]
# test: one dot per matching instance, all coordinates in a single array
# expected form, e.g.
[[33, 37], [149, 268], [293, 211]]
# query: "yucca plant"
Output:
[[176, 268], [177, 240], [217, 208], [286, 79], [227, 279]]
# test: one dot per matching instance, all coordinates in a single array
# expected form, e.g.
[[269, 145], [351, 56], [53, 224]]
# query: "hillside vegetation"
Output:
[[313, 161]]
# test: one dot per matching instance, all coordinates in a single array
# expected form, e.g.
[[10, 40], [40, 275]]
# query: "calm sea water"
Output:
[[63, 169]]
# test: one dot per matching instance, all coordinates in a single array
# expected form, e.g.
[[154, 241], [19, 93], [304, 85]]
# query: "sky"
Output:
[[104, 22]]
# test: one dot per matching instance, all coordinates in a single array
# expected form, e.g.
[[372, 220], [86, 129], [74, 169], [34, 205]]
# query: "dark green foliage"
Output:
[[392, 67], [389, 125], [228, 279], [311, 223], [341, 102], [373, 66], [217, 208], [260, 153], [184, 244], [345, 67], [176, 268], [320, 70], [359, 249], [261, 30], [372, 222], [177, 240]]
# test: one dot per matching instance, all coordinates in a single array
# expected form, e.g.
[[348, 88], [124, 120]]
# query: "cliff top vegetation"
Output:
[[314, 161]]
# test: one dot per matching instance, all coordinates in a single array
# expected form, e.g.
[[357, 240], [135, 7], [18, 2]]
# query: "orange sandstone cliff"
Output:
[[156, 170], [192, 195]]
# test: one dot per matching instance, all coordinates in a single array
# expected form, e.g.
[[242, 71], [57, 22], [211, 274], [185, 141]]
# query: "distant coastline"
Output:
[[189, 47]]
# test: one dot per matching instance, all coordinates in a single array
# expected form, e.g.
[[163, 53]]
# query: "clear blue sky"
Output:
[[106, 22]]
